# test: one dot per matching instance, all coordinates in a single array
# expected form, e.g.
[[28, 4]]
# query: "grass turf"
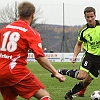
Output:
[[58, 89]]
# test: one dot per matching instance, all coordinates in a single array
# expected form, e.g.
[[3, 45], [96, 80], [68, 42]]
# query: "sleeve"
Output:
[[35, 43], [81, 32], [79, 36]]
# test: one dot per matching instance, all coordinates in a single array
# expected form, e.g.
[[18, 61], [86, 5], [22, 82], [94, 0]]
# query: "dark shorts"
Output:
[[91, 64]]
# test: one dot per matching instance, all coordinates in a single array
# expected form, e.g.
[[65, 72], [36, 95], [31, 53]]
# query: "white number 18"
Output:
[[11, 45]]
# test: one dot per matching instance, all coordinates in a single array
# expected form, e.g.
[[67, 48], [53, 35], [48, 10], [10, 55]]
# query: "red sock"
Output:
[[82, 91], [45, 98]]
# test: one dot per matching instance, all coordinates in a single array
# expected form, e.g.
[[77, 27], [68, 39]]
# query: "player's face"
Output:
[[90, 18]]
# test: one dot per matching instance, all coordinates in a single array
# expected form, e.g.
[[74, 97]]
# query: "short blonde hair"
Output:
[[26, 9]]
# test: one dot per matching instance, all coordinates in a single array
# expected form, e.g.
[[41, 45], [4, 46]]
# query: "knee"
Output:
[[46, 98], [80, 77]]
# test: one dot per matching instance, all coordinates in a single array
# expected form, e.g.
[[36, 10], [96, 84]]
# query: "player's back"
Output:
[[14, 45], [13, 42]]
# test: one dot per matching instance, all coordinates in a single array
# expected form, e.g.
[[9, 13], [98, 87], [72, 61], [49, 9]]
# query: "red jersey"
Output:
[[15, 41]]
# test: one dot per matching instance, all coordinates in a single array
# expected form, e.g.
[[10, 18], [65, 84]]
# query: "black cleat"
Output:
[[52, 75], [68, 97], [62, 71]]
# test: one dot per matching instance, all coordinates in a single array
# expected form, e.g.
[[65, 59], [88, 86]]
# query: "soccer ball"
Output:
[[95, 95]]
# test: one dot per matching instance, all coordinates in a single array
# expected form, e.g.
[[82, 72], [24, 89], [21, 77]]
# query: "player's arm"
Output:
[[43, 61], [35, 45], [77, 50]]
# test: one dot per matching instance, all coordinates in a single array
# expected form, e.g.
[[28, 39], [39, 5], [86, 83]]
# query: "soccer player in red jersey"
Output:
[[15, 41]]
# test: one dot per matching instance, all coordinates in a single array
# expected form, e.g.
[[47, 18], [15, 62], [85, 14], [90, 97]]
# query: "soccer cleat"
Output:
[[52, 75], [62, 71], [77, 95], [68, 97]]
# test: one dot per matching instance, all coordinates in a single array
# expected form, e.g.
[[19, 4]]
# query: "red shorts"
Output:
[[25, 88]]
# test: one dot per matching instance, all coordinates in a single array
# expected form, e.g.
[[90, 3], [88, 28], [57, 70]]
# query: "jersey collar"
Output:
[[97, 23]]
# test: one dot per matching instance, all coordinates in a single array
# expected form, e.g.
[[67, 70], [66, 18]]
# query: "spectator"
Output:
[[51, 51], [45, 50]]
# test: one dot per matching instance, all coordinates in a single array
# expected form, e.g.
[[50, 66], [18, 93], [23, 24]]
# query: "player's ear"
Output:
[[95, 15], [33, 16]]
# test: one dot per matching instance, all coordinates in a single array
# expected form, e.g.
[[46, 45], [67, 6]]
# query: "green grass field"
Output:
[[58, 89]]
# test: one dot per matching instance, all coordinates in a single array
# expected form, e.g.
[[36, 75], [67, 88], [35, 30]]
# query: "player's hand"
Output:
[[60, 77], [62, 71], [73, 61]]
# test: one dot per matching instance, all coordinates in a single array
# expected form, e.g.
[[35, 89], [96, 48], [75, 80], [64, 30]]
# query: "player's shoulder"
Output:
[[33, 31], [84, 27], [26, 26], [98, 22]]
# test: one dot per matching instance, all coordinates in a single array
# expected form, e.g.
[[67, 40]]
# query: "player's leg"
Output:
[[92, 68], [42, 94], [84, 74], [86, 80], [45, 98], [30, 86], [80, 93], [79, 86], [72, 73], [8, 93]]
